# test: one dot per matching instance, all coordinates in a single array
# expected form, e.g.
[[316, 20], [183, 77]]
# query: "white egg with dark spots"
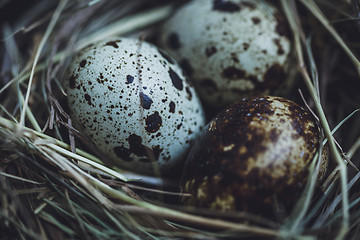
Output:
[[134, 103], [230, 49]]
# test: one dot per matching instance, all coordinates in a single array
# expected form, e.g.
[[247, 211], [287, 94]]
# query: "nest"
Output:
[[53, 186]]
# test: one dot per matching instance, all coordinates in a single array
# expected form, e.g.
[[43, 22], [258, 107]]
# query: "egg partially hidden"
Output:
[[133, 102], [230, 49], [254, 155]]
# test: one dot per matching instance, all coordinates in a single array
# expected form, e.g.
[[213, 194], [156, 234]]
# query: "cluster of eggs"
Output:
[[143, 108]]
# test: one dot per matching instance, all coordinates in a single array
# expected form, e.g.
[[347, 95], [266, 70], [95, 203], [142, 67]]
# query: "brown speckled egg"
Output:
[[252, 156], [230, 49], [133, 102]]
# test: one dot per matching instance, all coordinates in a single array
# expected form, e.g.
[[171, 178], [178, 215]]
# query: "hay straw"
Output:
[[126, 25], [48, 31], [97, 187], [311, 5], [290, 13], [90, 182], [51, 143]]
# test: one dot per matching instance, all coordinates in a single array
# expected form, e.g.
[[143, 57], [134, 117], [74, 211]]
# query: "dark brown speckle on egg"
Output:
[[226, 6], [255, 20], [153, 122], [246, 46], [129, 79], [145, 101], [83, 63], [172, 107], [189, 94], [280, 50], [72, 82], [233, 73], [282, 27], [209, 51], [88, 99], [273, 77], [136, 145], [186, 66], [176, 80], [112, 43], [123, 153], [173, 41]]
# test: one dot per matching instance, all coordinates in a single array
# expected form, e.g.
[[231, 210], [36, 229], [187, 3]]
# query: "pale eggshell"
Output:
[[134, 103], [253, 156], [230, 49]]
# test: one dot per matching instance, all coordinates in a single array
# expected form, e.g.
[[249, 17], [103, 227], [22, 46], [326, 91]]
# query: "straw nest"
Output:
[[53, 186]]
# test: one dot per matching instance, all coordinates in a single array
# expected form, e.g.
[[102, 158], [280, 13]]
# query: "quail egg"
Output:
[[253, 156], [132, 100], [230, 49]]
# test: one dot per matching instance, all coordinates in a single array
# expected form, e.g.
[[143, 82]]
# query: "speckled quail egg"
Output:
[[253, 156], [230, 49], [131, 99]]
